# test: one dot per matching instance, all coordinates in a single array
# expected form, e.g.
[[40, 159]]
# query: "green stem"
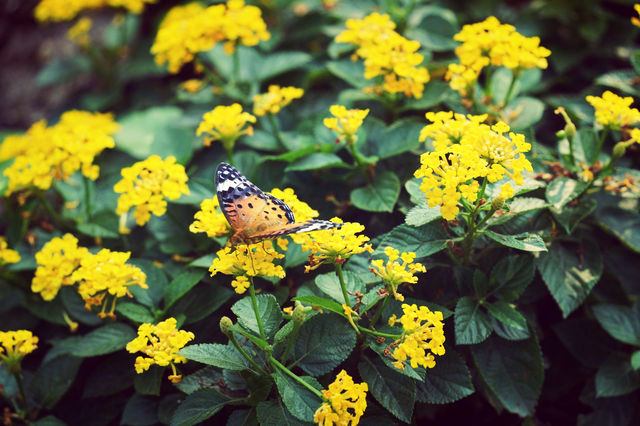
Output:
[[343, 287], [228, 147], [291, 337], [87, 197], [295, 377], [275, 130], [603, 136], [245, 354], [213, 78], [56, 217], [376, 317], [25, 402], [254, 304], [378, 333], [515, 74]]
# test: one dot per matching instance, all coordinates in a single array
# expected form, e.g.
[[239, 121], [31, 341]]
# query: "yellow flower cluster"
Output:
[[422, 337], [335, 245], [14, 345], [79, 32], [210, 219], [7, 255], [62, 262], [345, 402], [395, 273], [226, 124], [387, 55], [275, 99], [193, 28], [44, 154], [247, 260], [193, 85], [301, 211], [346, 122], [634, 19], [147, 183], [614, 111], [490, 42], [160, 343], [466, 149], [64, 10]]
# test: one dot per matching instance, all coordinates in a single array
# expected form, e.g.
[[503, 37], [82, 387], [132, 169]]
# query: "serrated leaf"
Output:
[[448, 381], [422, 214], [180, 285], [104, 340], [134, 312], [274, 413], [525, 111], [424, 241], [276, 63], [140, 410], [524, 241], [507, 332], [321, 302], [616, 377], [394, 391], [471, 324], [621, 322], [199, 406], [329, 284], [401, 136], [315, 161], [299, 400], [511, 276], [518, 206], [323, 342], [379, 196], [149, 382], [52, 380], [350, 71], [562, 190], [507, 314], [268, 310], [571, 216], [624, 224], [622, 80], [218, 355], [513, 371], [199, 302]]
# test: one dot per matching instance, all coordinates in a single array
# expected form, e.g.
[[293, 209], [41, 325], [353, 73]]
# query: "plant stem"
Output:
[[254, 304], [87, 197], [603, 136], [378, 333], [291, 338], [296, 378], [375, 318], [515, 74], [343, 287], [245, 354], [275, 130], [25, 402], [56, 217]]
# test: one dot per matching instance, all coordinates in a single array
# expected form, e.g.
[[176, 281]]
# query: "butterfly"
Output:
[[256, 216]]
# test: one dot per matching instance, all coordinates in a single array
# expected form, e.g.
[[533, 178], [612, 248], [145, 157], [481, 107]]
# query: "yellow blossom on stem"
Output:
[[104, 276], [210, 219], [346, 122], [57, 260], [422, 337], [226, 124], [193, 85], [614, 111], [14, 345], [335, 245], [395, 273], [275, 99], [7, 255], [79, 32], [247, 261], [345, 402], [45, 154], [64, 10], [634, 19], [301, 211], [160, 343], [146, 184], [243, 24]]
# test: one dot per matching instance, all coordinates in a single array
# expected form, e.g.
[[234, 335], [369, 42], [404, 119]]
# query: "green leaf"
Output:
[[268, 310], [447, 382], [394, 391], [635, 61], [199, 406], [103, 224], [299, 400], [134, 312], [571, 216], [140, 410], [199, 302], [199, 380], [104, 340], [635, 360], [321, 302], [8, 382], [525, 112], [379, 196], [222, 356], [74, 305], [621, 322], [513, 371], [156, 281], [623, 80], [624, 224], [49, 421], [517, 207], [52, 380], [507, 332], [563, 190], [329, 284], [424, 241], [149, 382], [180, 285], [616, 377], [435, 92], [110, 378], [422, 214], [590, 349], [511, 276], [524, 241], [322, 343], [317, 160], [507, 314], [471, 324], [63, 69], [585, 145], [401, 136], [350, 71], [570, 274], [274, 413], [276, 63]]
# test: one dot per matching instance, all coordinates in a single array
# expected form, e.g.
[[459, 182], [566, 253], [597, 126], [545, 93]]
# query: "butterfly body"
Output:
[[254, 215]]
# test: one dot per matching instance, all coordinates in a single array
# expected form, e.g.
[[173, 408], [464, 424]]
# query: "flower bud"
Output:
[[225, 325], [620, 148], [299, 314], [497, 203]]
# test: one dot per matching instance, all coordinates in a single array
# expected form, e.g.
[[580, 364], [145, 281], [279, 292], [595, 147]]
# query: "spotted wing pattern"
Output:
[[254, 215]]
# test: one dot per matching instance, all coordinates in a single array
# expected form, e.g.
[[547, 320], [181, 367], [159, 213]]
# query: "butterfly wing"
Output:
[[293, 228]]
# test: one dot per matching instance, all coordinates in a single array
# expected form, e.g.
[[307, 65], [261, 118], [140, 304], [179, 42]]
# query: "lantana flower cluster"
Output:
[[335, 245], [147, 184], [467, 149], [394, 273], [613, 111], [193, 28], [160, 343], [226, 124], [210, 220], [492, 43], [14, 345], [387, 55], [422, 337], [275, 99], [45, 154], [61, 262], [345, 402], [64, 10], [345, 122], [7, 255]]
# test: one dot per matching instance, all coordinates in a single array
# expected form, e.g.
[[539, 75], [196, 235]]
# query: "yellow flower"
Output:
[[14, 345], [210, 219], [147, 183], [395, 273], [634, 19], [64, 10], [613, 111], [105, 275], [226, 124], [335, 245], [45, 154], [346, 122], [387, 55], [193, 85], [345, 402], [79, 33], [275, 99], [6, 254], [422, 337], [301, 211], [57, 260], [247, 260], [160, 343], [193, 28]]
